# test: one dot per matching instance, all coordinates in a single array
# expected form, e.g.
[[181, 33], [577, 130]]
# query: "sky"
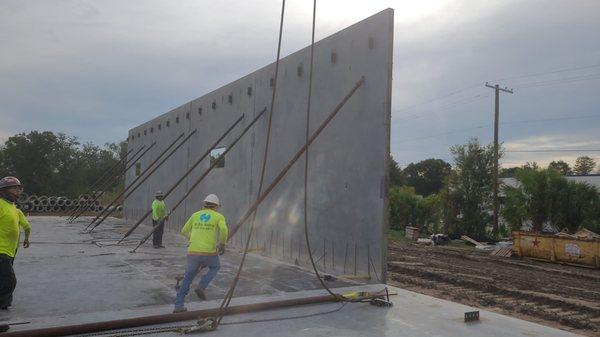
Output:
[[95, 69]]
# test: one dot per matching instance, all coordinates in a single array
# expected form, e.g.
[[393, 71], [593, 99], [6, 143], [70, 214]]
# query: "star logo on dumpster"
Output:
[[536, 243]]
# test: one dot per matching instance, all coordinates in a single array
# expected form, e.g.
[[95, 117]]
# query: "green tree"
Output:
[[427, 176], [584, 165], [470, 187], [56, 164], [38, 159], [560, 167], [406, 207], [546, 197], [509, 172], [575, 205], [433, 205], [396, 176]]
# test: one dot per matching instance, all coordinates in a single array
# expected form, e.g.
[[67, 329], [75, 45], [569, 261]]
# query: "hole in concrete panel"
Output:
[[333, 57], [177, 119], [230, 99], [214, 105], [371, 43], [152, 130], [131, 137], [299, 70], [187, 115], [214, 156], [138, 135], [145, 132], [200, 111], [271, 82], [168, 123], [249, 91], [159, 126], [138, 169]]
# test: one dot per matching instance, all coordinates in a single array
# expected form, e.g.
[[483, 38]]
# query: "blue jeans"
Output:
[[194, 262]]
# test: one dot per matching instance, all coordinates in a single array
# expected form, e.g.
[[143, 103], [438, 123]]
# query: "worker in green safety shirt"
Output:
[[159, 215], [207, 233], [11, 222]]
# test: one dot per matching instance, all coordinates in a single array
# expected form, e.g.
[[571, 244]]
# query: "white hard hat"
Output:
[[159, 193], [212, 199]]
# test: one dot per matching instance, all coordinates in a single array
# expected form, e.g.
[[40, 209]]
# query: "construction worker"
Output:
[[11, 222], [207, 233], [159, 215]]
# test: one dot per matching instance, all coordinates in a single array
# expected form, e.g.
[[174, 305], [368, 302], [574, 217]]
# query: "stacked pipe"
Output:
[[60, 204]]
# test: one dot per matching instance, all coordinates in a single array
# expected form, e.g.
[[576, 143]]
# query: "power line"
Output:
[[463, 101], [452, 93], [551, 119], [547, 72], [440, 97], [586, 77], [553, 150], [542, 120]]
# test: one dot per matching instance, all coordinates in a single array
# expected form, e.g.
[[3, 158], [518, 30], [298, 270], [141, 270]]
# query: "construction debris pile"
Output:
[[60, 204]]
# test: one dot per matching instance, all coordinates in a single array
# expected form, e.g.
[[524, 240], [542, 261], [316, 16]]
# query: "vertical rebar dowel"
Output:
[[332, 255], [299, 250], [271, 244], [345, 257], [324, 254], [355, 256], [368, 259]]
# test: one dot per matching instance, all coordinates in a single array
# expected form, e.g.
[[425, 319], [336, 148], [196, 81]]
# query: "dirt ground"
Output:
[[566, 297]]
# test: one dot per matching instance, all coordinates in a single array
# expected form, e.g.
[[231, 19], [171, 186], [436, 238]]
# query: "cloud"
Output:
[[95, 69]]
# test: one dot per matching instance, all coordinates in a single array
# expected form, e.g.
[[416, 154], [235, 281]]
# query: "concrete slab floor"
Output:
[[66, 278], [65, 272]]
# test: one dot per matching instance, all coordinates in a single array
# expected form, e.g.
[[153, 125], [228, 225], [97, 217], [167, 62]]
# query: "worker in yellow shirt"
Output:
[[11, 222], [207, 233], [159, 215]]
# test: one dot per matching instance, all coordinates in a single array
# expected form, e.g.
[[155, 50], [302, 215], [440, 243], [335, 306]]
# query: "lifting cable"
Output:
[[229, 295], [310, 78]]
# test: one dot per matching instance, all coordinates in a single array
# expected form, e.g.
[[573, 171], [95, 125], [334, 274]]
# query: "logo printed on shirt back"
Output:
[[204, 217]]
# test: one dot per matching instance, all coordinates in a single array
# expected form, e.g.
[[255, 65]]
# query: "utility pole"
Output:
[[497, 90]]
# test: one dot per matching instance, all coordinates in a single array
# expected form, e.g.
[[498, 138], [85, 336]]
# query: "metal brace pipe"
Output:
[[184, 176], [123, 161], [138, 177], [118, 176], [135, 322], [143, 180], [199, 180], [297, 156]]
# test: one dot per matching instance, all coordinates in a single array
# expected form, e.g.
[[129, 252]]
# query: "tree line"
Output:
[[49, 163], [457, 199]]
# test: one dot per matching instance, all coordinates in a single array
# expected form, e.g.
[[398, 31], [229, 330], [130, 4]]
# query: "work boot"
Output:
[[182, 309], [200, 294]]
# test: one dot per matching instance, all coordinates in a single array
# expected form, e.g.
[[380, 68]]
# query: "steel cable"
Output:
[[310, 77], [229, 295]]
